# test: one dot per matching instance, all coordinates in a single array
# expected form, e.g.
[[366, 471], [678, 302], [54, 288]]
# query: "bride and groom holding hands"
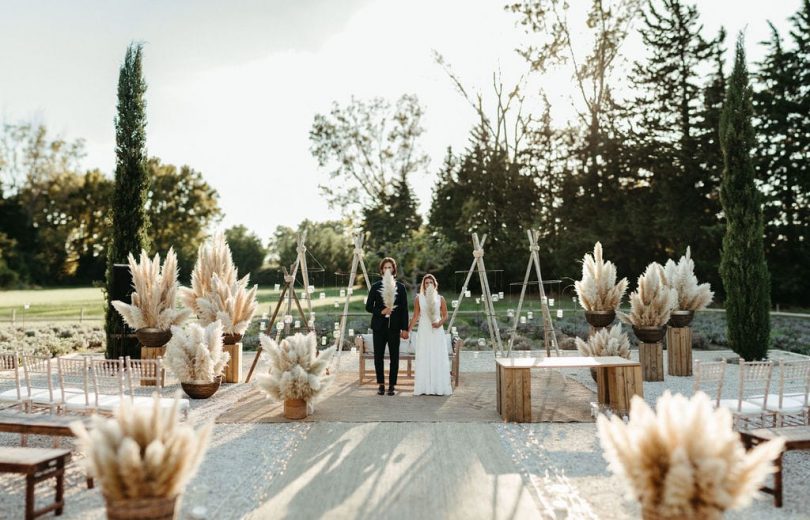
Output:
[[388, 304]]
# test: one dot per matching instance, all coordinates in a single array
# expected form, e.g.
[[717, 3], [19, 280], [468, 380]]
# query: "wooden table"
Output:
[[617, 379], [37, 464], [796, 438]]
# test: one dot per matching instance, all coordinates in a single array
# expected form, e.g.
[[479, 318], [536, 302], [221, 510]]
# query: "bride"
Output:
[[430, 344]]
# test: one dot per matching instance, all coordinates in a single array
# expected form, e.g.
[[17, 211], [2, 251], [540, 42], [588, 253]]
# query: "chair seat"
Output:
[[165, 402], [41, 396], [789, 405], [745, 407], [77, 401]]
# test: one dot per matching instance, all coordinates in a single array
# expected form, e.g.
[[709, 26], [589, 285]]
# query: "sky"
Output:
[[233, 86]]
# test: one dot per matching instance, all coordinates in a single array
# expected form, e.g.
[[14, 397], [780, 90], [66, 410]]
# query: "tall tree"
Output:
[[246, 248], [181, 207], [743, 266], [673, 134], [393, 218], [783, 157], [367, 146], [129, 219]]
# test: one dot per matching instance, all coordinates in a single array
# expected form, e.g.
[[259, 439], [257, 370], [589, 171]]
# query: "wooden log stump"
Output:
[[233, 371], [679, 351], [651, 357], [154, 353]]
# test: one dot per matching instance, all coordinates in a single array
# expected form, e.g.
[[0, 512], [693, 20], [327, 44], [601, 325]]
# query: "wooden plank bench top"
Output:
[[34, 424], [37, 464], [796, 438], [566, 362]]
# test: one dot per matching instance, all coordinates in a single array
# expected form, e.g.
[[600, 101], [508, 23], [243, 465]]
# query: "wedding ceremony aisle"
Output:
[[441, 468]]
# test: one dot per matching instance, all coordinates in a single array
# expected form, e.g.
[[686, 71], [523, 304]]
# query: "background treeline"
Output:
[[638, 168]]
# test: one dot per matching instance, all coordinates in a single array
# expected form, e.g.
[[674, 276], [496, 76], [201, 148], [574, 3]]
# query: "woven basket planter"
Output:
[[295, 409], [600, 319], [201, 390], [143, 508], [680, 319], [152, 337]]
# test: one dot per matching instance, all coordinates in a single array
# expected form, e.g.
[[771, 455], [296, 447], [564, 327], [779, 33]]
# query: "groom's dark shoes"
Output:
[[381, 390], [391, 390]]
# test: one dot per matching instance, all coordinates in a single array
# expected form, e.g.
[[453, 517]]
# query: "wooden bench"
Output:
[[617, 380], [796, 438], [368, 354], [37, 464]]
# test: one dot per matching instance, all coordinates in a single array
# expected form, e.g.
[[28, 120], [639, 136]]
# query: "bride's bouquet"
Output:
[[431, 304], [389, 290]]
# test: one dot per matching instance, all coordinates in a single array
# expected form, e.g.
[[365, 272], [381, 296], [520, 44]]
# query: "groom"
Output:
[[388, 326]]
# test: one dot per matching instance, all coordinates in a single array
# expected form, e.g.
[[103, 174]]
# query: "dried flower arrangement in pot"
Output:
[[599, 293], [295, 375], [691, 295], [153, 309], [605, 342], [684, 461], [143, 458], [650, 305], [196, 357]]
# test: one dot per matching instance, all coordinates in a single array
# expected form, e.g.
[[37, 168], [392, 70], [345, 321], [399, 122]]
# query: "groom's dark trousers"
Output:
[[387, 330]]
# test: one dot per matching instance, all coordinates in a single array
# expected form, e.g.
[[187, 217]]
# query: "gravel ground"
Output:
[[562, 462]]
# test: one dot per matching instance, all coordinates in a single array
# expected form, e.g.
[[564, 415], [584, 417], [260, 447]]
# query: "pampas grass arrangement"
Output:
[[142, 452], [153, 303], [295, 368], [606, 342], [195, 354], [598, 290], [652, 302], [213, 257], [389, 290], [681, 277], [233, 305], [684, 461]]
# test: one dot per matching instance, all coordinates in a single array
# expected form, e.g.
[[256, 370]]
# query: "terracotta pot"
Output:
[[680, 319], [231, 339], [143, 508], [600, 318], [295, 408], [201, 390], [650, 334], [153, 337]]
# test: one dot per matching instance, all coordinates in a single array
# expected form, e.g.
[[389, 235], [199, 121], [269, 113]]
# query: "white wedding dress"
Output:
[[432, 364]]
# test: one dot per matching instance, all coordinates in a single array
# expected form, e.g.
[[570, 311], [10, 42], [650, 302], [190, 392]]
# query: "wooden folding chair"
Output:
[[791, 402], [709, 376], [38, 371], [754, 380], [11, 390]]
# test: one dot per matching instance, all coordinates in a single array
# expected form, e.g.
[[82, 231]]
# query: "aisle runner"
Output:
[[555, 398]]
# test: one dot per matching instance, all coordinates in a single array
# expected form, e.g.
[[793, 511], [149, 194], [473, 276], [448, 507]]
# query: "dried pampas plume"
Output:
[[432, 304], [195, 354], [681, 277], [598, 290], [142, 452], [652, 302], [155, 296], [606, 342], [213, 257], [684, 461], [295, 368], [389, 290], [233, 305]]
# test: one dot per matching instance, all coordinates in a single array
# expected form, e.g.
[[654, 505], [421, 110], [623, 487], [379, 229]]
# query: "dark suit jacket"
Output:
[[374, 305]]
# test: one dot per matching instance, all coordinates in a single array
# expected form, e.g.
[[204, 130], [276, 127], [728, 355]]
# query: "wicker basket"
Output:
[[152, 337], [650, 334], [295, 409], [678, 319], [143, 508], [600, 319], [201, 390], [231, 339]]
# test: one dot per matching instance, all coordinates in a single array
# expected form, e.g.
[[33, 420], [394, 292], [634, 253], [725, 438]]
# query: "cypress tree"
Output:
[[129, 220], [742, 265]]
